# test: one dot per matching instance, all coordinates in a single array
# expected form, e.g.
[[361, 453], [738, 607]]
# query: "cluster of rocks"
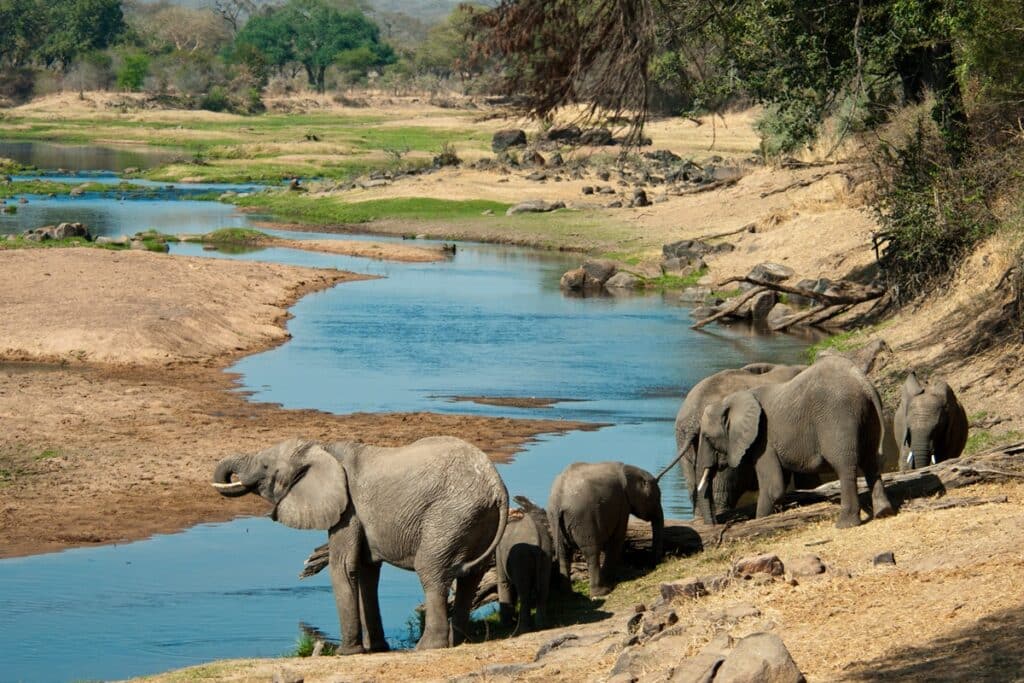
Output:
[[61, 231], [509, 138], [596, 275], [686, 257], [762, 307]]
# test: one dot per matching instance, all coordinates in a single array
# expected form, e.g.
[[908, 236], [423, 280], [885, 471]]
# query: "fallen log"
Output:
[[802, 183], [791, 320], [729, 308], [708, 187], [749, 227], [858, 297]]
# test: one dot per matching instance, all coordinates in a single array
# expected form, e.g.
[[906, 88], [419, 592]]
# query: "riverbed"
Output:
[[491, 322]]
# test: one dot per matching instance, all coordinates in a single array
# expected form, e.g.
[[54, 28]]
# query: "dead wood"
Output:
[[802, 183], [729, 308], [749, 227], [858, 294], [716, 185]]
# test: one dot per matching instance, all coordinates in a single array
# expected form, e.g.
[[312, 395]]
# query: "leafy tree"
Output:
[[133, 71], [22, 22], [76, 26]]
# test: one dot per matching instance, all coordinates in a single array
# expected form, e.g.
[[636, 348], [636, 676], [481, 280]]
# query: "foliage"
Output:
[[328, 211], [234, 236], [306, 642], [133, 71], [54, 32]]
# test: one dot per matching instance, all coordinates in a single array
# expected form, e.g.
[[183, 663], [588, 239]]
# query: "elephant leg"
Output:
[[373, 627], [543, 590], [880, 504], [849, 505], [344, 581], [613, 551], [435, 628], [506, 597], [598, 585], [564, 553], [526, 591], [771, 483], [465, 591]]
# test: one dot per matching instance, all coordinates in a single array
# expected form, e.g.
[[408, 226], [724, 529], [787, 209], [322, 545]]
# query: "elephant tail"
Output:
[[679, 454], [467, 567]]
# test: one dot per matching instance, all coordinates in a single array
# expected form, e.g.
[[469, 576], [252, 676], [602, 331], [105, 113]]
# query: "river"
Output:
[[491, 321]]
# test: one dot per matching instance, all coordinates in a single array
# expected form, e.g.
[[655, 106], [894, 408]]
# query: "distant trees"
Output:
[[315, 35], [55, 32]]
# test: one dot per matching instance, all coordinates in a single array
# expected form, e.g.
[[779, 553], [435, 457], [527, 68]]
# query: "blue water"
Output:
[[491, 321]]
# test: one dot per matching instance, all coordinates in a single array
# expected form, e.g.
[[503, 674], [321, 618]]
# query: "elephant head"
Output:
[[728, 431], [644, 497], [307, 485], [931, 421]]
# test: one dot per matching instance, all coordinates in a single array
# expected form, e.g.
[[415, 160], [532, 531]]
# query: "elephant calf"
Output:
[[589, 508], [930, 425], [523, 564]]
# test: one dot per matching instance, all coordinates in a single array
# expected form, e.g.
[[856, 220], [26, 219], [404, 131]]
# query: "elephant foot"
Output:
[[599, 591], [848, 521], [432, 642], [883, 511], [350, 650], [380, 647]]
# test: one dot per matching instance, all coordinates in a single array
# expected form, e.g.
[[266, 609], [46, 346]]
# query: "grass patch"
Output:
[[844, 341], [726, 293], [622, 257], [334, 211], [48, 454], [20, 242], [305, 644], [230, 236], [675, 281], [47, 187], [981, 440]]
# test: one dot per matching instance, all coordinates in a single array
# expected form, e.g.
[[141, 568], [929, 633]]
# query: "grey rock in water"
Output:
[[622, 280]]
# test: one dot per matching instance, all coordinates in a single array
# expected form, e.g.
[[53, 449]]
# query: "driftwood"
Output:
[[729, 308], [802, 183], [858, 296], [708, 187], [791, 320], [749, 227]]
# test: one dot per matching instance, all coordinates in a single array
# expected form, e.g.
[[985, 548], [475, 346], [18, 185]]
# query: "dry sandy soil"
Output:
[[112, 427]]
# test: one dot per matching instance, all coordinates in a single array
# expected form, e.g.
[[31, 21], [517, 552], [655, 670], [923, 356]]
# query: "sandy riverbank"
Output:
[[117, 405]]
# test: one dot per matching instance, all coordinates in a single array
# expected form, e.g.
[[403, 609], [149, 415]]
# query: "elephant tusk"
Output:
[[910, 457], [702, 486], [230, 487], [933, 458]]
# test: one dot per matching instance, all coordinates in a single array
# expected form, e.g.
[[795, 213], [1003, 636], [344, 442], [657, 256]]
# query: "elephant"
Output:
[[523, 565], [829, 415], [589, 508], [930, 425], [728, 484], [436, 506]]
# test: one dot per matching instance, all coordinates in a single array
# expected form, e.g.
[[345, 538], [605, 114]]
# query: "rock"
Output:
[[716, 584], [564, 640], [771, 272], [563, 134], [759, 658], [684, 588], [137, 245], [806, 565], [622, 678], [295, 185], [884, 559], [687, 249], [603, 175], [759, 564], [508, 137], [597, 137], [131, 170], [695, 295], [375, 182], [741, 611], [573, 280], [534, 206], [22, 200], [723, 247], [66, 230], [535, 158], [537, 176], [556, 160], [682, 266], [287, 676], [79, 190], [622, 280], [614, 205], [778, 313], [702, 312], [663, 156], [640, 198], [606, 190], [587, 189], [703, 667], [760, 306], [600, 269]]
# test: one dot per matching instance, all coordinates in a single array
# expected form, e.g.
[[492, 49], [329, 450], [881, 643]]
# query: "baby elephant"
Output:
[[589, 508], [523, 564], [930, 425]]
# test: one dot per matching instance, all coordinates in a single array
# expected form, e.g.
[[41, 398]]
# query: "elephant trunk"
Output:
[[238, 465], [705, 497], [923, 455]]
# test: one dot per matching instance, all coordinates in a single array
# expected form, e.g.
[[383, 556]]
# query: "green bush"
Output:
[[216, 99], [133, 71]]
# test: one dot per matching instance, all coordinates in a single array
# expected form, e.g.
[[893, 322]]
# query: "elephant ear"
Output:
[[744, 416], [956, 424], [911, 387], [318, 495]]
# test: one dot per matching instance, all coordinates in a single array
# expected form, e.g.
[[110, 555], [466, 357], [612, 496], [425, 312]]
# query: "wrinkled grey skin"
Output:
[[523, 565], [589, 509], [436, 506], [728, 485], [828, 416], [929, 422]]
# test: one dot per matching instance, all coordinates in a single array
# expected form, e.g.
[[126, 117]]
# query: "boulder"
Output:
[[573, 280], [778, 313], [695, 295], [771, 272], [508, 137], [79, 190], [614, 205], [563, 134], [537, 176], [758, 307], [759, 658], [587, 189], [682, 266], [759, 564], [884, 558], [686, 248], [599, 269], [534, 206], [596, 137], [640, 198], [606, 189], [622, 280], [66, 230], [691, 587], [663, 156], [556, 160], [535, 158], [702, 312]]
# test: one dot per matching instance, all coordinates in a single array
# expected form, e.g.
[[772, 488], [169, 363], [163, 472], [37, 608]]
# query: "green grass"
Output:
[[48, 454], [46, 187], [675, 281], [844, 341], [229, 236], [983, 439], [629, 259], [305, 644], [334, 211], [726, 293], [22, 243]]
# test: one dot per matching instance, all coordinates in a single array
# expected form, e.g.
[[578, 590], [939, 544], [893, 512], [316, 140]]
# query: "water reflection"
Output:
[[52, 156]]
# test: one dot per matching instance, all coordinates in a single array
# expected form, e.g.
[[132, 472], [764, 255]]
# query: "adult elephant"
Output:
[[729, 485], [930, 425], [827, 416], [589, 509], [436, 506]]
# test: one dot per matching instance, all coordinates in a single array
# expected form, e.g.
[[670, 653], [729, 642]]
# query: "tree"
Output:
[[133, 71], [76, 26], [23, 22]]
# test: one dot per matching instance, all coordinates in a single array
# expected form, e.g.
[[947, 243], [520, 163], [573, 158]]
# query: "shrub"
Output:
[[215, 100], [132, 73]]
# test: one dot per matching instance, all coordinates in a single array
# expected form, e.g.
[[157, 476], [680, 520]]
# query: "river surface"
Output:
[[491, 321]]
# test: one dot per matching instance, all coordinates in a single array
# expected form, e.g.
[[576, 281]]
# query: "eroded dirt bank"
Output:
[[122, 446]]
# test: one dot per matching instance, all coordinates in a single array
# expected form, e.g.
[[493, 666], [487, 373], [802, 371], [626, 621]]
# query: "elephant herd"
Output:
[[438, 506]]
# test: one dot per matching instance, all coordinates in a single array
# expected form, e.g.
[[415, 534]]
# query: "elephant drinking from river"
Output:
[[930, 425], [436, 506], [827, 416]]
